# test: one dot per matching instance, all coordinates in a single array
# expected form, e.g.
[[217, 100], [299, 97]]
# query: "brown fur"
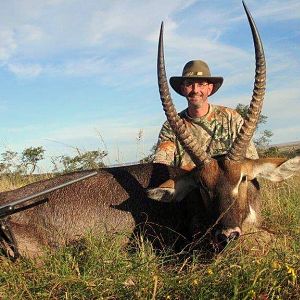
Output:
[[112, 201]]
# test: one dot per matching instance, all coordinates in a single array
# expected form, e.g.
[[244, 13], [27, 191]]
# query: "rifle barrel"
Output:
[[24, 199]]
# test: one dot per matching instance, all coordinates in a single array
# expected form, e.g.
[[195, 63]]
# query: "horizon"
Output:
[[76, 74]]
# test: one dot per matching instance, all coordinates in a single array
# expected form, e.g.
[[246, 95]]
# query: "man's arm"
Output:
[[165, 150]]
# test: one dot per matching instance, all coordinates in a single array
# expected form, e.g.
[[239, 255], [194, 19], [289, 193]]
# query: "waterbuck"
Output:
[[222, 192]]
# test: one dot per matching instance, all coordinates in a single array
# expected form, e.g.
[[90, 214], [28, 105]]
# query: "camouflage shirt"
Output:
[[216, 130]]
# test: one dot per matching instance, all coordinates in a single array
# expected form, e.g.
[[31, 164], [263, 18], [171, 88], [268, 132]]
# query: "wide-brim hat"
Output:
[[195, 69]]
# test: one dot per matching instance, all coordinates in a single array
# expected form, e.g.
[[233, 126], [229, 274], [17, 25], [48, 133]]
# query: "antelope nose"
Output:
[[223, 239], [234, 235]]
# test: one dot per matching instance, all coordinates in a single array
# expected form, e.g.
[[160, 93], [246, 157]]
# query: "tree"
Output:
[[243, 110], [263, 139], [83, 161], [31, 156], [272, 152], [9, 162]]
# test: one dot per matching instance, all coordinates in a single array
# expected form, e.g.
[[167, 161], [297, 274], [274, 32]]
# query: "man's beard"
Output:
[[200, 101]]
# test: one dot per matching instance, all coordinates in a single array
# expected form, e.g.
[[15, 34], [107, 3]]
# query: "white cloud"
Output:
[[8, 44], [85, 67], [52, 27], [131, 19], [278, 10], [26, 71], [29, 33], [100, 29], [274, 10]]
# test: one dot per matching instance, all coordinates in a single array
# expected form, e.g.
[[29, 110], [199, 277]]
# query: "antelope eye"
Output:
[[244, 178]]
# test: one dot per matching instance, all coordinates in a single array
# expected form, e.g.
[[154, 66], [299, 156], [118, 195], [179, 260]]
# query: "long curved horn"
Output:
[[186, 138], [239, 147]]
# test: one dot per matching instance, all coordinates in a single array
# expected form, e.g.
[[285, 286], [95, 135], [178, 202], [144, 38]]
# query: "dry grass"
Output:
[[13, 181]]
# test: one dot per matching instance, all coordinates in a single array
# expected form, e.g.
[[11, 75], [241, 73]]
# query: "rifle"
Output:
[[16, 206]]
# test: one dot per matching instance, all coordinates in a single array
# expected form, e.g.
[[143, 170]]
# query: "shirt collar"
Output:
[[198, 119]]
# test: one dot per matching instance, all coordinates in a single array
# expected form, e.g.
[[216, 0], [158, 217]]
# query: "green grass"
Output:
[[258, 266]]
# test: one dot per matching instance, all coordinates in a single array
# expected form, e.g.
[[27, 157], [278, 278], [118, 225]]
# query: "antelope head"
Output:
[[227, 184]]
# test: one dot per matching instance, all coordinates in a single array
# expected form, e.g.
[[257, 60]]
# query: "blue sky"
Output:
[[83, 73]]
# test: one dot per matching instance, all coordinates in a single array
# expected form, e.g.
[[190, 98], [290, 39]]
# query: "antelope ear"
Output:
[[173, 190], [164, 192], [276, 169], [161, 194]]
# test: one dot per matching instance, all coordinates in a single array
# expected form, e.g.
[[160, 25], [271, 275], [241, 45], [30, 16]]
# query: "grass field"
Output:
[[262, 265]]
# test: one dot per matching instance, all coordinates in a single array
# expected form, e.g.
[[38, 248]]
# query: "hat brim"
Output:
[[176, 82]]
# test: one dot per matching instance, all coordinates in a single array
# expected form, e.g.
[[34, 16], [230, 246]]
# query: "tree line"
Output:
[[26, 162]]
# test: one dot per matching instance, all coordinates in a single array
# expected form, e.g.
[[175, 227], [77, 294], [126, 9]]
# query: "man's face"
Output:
[[196, 91]]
